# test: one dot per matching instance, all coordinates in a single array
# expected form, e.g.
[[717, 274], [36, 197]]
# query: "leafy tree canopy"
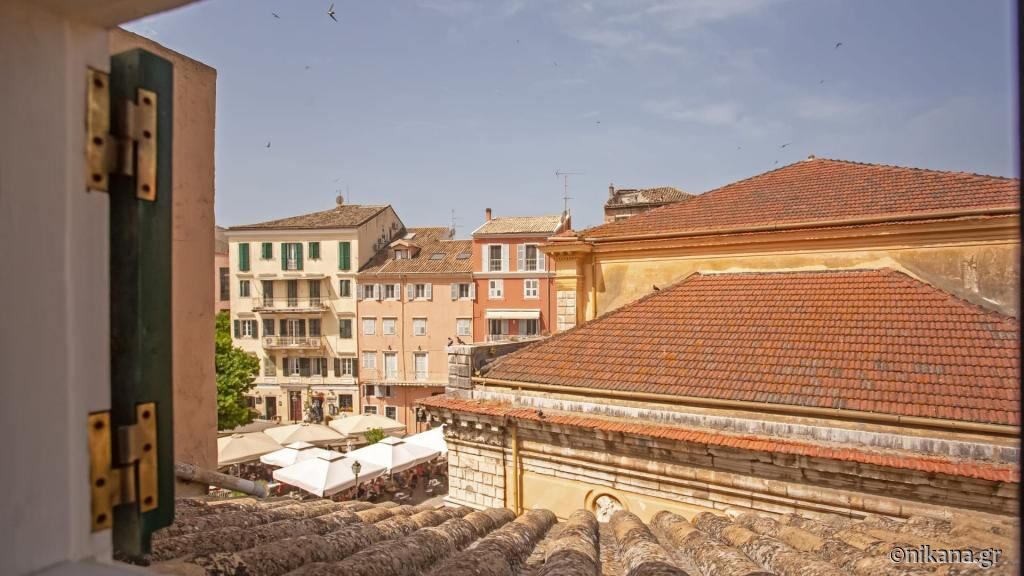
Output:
[[374, 435], [236, 375]]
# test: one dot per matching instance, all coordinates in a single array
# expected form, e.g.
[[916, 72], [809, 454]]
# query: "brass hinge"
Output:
[[130, 149], [128, 476]]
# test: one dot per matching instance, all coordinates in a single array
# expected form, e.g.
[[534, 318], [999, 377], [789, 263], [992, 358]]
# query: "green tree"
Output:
[[373, 435], [236, 375]]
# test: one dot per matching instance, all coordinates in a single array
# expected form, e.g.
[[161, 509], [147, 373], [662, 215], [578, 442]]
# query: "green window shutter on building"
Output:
[[243, 257], [344, 256], [268, 251], [298, 255], [314, 250]]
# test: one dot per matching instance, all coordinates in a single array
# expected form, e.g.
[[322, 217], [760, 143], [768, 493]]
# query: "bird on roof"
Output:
[[838, 44], [449, 340], [540, 413], [330, 12], [656, 289], [274, 14]]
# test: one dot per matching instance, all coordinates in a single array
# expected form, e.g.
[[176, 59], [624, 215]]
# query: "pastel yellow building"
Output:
[[293, 305]]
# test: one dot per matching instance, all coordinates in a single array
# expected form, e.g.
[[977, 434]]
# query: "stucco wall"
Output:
[[193, 308], [404, 398]]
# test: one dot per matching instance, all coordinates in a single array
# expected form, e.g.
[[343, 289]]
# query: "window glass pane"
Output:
[[345, 288], [494, 258], [464, 327], [391, 412], [388, 326], [369, 326]]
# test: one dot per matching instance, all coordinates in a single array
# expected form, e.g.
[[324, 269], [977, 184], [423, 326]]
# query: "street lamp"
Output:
[[356, 467]]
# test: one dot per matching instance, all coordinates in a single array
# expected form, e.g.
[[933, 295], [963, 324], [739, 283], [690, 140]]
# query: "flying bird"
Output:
[[838, 44], [821, 82], [786, 144], [330, 12], [274, 14], [739, 147], [776, 162], [307, 66], [268, 143], [598, 121]]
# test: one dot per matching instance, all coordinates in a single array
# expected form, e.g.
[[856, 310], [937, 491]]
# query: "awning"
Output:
[[499, 314]]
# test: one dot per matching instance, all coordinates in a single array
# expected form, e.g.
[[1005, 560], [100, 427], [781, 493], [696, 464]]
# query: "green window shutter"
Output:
[[314, 250], [298, 254], [284, 256], [355, 368], [344, 256], [243, 257], [267, 251], [238, 329]]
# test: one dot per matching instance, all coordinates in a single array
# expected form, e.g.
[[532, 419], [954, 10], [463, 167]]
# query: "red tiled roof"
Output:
[[891, 459], [342, 216], [866, 340], [437, 255], [818, 190]]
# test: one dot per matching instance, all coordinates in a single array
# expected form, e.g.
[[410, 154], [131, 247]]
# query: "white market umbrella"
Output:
[[303, 432], [295, 452], [394, 454], [238, 448], [356, 426], [433, 439], [324, 476]]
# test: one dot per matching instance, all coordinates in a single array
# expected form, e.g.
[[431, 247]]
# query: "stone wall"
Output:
[[566, 317], [476, 466], [465, 360]]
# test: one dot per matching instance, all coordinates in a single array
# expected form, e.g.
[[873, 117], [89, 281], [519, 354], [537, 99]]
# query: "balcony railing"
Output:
[[286, 304], [293, 342], [511, 337]]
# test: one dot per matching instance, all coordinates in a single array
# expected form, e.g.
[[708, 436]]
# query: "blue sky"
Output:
[[435, 105]]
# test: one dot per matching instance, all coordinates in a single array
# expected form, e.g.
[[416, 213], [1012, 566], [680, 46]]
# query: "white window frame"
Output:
[[394, 408], [524, 323], [247, 329], [495, 289], [425, 374], [291, 255], [369, 359], [536, 289], [348, 366], [416, 331], [384, 322], [369, 409], [468, 292], [394, 375], [468, 323], [372, 324], [244, 289]]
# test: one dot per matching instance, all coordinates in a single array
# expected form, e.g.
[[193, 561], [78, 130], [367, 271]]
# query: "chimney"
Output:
[[487, 212], [611, 191]]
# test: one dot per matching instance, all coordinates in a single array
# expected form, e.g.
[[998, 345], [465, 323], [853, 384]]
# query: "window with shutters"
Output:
[[465, 290], [267, 251], [419, 326], [319, 367], [369, 409], [314, 292], [530, 261], [314, 326], [497, 329], [291, 256], [248, 328], [419, 361], [391, 292], [495, 289], [345, 326], [268, 327], [368, 390], [391, 412], [345, 288], [369, 326], [369, 291], [244, 288], [387, 326], [344, 255], [529, 327], [531, 288], [464, 326], [314, 250], [269, 366], [293, 293], [243, 257], [293, 366], [347, 365], [268, 293], [370, 359], [494, 258], [390, 365]]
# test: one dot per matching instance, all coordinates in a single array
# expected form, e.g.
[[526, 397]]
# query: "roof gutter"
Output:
[[784, 409], [814, 224]]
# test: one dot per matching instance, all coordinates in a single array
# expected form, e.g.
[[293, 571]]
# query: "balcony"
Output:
[[289, 305], [293, 342]]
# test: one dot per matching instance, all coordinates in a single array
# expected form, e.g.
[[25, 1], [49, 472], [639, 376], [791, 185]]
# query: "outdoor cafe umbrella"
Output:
[[394, 454], [356, 426], [326, 475], [254, 426], [433, 439], [238, 448], [294, 452], [303, 432]]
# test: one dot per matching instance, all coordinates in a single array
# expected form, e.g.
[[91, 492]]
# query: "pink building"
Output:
[[514, 280], [414, 299]]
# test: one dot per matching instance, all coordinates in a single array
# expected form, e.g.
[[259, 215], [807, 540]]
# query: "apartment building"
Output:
[[414, 298], [293, 305], [513, 278]]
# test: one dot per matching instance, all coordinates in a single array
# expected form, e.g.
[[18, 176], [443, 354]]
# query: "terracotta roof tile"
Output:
[[520, 225], [869, 340], [343, 216], [646, 196], [437, 255], [358, 539], [902, 460], [821, 190]]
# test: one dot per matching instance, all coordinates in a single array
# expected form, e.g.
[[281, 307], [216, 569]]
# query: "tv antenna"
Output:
[[454, 225], [565, 188]]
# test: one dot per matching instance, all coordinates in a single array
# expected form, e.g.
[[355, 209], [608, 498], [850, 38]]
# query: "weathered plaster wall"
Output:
[[985, 274], [192, 255]]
